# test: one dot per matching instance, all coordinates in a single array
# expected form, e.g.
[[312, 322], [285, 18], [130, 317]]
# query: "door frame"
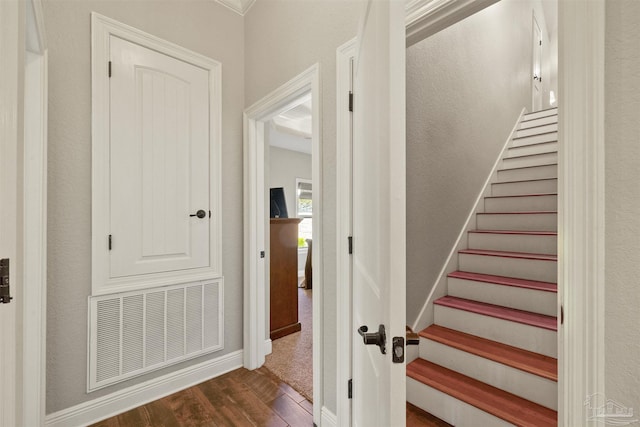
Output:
[[11, 52], [256, 341], [581, 202], [345, 54], [35, 217], [23, 108]]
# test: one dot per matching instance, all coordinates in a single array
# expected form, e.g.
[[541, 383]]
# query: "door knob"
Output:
[[199, 214], [374, 338]]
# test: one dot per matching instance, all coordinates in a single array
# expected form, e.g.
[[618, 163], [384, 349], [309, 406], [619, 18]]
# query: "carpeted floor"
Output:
[[291, 359]]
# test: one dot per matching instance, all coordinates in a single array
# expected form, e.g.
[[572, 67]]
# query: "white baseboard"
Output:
[[115, 403], [268, 346], [329, 419]]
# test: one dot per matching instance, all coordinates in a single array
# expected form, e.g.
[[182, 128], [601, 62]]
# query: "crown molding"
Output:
[[238, 6]]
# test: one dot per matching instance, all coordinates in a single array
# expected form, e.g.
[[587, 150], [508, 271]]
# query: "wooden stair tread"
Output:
[[524, 360], [522, 195], [524, 180], [518, 213], [499, 403], [500, 312], [526, 232], [503, 254], [506, 281]]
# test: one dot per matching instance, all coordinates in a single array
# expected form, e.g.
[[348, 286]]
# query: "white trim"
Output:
[[10, 134], [426, 17], [241, 7], [255, 303], [35, 218], [123, 400], [439, 287], [102, 28], [328, 419], [268, 346], [581, 205], [344, 56]]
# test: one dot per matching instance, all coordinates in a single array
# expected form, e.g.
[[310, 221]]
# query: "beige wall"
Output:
[[622, 212], [284, 167], [284, 38], [466, 86], [202, 26]]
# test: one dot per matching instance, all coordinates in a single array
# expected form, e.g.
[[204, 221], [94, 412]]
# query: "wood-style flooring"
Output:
[[239, 398]]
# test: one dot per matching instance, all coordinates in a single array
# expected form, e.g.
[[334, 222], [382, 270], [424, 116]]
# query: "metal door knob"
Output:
[[374, 338], [199, 214]]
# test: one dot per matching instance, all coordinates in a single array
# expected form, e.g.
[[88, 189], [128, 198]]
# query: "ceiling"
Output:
[[291, 129]]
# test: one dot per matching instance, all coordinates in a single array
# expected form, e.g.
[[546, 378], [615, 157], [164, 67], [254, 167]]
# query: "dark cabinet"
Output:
[[284, 277]]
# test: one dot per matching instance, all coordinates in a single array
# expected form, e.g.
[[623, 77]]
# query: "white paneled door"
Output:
[[379, 383], [159, 162]]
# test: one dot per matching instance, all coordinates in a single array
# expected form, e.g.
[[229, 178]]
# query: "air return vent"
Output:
[[132, 333]]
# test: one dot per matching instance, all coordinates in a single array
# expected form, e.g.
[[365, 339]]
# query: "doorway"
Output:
[[258, 128], [573, 35]]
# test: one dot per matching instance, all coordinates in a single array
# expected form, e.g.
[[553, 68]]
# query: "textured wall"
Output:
[[622, 211], [466, 86], [284, 38], [202, 26]]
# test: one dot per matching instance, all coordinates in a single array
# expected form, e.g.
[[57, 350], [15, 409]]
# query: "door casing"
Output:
[[256, 342]]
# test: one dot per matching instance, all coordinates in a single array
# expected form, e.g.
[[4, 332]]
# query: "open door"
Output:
[[379, 272]]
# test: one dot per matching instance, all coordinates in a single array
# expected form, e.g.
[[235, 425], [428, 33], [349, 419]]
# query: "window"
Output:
[[304, 209]]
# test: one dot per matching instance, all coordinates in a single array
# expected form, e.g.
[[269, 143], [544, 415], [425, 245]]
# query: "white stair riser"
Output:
[[537, 172], [521, 204], [523, 384], [526, 161], [518, 221], [525, 150], [543, 113], [535, 139], [535, 301], [525, 124], [448, 408], [540, 186], [530, 243], [537, 130], [530, 269], [532, 338]]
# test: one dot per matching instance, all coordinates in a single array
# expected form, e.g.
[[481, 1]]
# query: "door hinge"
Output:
[[110, 244], [561, 315], [540, 42], [109, 69], [350, 101], [5, 281], [350, 389], [350, 240]]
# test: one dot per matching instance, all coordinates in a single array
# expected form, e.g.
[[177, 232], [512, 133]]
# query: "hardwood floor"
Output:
[[239, 398]]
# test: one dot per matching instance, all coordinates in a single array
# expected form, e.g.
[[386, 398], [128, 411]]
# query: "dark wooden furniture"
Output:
[[284, 277], [308, 270]]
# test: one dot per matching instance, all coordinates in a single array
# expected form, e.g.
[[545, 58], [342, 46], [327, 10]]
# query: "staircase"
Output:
[[489, 359]]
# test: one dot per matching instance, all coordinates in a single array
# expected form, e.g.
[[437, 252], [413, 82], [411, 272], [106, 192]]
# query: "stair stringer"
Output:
[[439, 288]]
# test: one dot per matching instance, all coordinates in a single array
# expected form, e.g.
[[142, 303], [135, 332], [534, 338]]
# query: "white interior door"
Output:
[[159, 152], [537, 66], [379, 384]]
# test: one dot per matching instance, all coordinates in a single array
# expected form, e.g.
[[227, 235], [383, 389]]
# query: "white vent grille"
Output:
[[133, 333]]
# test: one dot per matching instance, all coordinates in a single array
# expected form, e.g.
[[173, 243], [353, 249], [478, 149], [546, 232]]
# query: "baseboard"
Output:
[[268, 346], [329, 419], [115, 403]]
